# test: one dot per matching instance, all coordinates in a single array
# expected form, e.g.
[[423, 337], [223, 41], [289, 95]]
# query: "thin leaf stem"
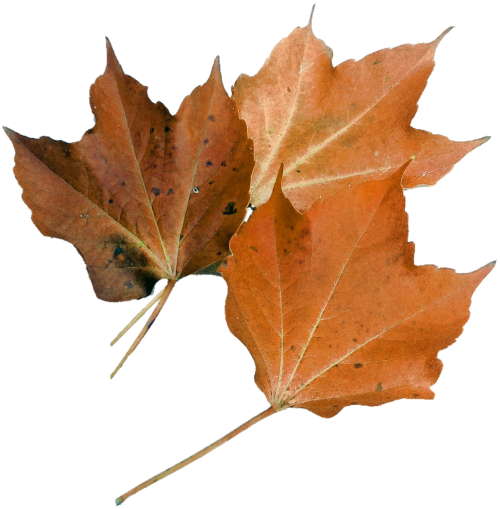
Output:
[[196, 456], [152, 318], [138, 316]]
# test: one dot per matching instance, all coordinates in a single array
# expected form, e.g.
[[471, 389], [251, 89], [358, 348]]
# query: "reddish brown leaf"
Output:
[[144, 195], [338, 126], [331, 306]]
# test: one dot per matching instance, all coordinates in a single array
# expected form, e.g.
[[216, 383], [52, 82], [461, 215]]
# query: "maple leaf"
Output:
[[144, 195], [332, 307], [338, 126]]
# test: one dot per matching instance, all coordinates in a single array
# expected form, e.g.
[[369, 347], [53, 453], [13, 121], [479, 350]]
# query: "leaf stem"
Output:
[[152, 318], [196, 456], [137, 317]]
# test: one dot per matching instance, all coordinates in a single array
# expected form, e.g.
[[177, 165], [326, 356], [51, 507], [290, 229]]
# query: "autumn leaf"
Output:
[[144, 195], [332, 307], [338, 126]]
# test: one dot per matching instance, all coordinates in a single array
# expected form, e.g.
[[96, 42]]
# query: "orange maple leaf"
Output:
[[338, 126], [331, 305]]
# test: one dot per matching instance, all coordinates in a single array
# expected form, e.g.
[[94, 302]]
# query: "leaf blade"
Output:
[[363, 324]]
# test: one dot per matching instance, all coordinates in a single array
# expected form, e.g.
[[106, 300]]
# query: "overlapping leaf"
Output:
[[144, 195], [338, 126], [331, 306]]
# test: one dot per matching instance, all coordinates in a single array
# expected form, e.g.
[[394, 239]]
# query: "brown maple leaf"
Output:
[[144, 195], [332, 307], [338, 126]]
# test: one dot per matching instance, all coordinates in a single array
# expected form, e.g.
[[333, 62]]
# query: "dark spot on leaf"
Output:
[[288, 89], [358, 365], [196, 190], [211, 118], [379, 387], [167, 129], [110, 200], [354, 339], [416, 395], [205, 141], [298, 171], [209, 163], [230, 209], [254, 249], [128, 284], [155, 191], [219, 253], [132, 256], [210, 183], [174, 147], [170, 191], [235, 169], [152, 130], [223, 163], [122, 184], [377, 62], [293, 348]]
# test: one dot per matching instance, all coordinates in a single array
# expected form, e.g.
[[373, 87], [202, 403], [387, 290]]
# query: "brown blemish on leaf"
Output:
[[230, 209]]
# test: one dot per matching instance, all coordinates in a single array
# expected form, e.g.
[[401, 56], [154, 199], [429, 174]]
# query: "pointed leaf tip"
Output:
[[400, 172], [311, 16], [216, 65], [119, 501], [112, 61], [440, 38], [279, 179]]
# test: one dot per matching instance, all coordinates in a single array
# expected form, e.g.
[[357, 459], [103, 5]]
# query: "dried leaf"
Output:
[[144, 195], [331, 306], [338, 126]]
